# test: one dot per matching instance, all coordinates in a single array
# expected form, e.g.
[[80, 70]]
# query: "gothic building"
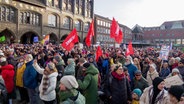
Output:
[[24, 20]]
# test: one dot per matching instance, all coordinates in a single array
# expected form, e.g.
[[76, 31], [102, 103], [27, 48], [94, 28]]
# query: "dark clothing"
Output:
[[181, 70], [30, 76], [119, 90], [141, 84], [164, 73], [60, 69], [49, 102]]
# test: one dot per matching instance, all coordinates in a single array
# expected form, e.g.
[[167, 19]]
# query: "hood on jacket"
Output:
[[7, 67], [54, 74], [92, 70]]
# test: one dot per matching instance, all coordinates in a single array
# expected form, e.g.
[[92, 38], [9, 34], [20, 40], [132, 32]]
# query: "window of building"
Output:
[[64, 4], [178, 41], [153, 34], [70, 5], [168, 34], [30, 18], [182, 41], [52, 20], [86, 26], [161, 35], [88, 8], [80, 7], [98, 22], [172, 34], [66, 22], [78, 25], [7, 14]]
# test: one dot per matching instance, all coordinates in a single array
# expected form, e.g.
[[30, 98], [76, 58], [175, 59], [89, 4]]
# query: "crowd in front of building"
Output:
[[51, 75]]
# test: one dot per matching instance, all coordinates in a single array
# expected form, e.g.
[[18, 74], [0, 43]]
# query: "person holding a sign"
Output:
[[155, 94]]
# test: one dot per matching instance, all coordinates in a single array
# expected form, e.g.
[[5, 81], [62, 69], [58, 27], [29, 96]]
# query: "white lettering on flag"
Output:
[[70, 40]]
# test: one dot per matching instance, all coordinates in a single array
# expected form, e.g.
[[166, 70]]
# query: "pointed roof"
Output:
[[137, 29]]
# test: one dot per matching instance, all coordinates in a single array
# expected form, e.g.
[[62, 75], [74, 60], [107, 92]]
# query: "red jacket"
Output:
[[8, 76]]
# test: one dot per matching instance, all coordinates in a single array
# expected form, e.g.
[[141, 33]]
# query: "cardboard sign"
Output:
[[174, 80]]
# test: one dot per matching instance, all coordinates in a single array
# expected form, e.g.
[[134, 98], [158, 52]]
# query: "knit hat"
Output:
[[138, 92], [3, 59], [69, 82], [153, 66], [176, 91], [86, 65], [175, 70], [156, 82], [57, 58], [178, 58], [1, 54], [138, 72]]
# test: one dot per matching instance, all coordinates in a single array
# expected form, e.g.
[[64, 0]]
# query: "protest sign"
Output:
[[164, 52], [174, 80]]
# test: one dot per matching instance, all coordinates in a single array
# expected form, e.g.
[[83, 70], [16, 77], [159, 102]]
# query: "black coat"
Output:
[[119, 90]]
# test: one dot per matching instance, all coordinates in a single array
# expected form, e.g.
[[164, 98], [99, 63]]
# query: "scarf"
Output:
[[45, 83], [155, 96], [117, 76]]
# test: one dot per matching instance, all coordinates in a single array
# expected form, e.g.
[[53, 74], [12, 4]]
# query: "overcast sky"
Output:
[[146, 13]]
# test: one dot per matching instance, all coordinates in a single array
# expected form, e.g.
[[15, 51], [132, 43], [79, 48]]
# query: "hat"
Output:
[[156, 82], [57, 58], [182, 61], [69, 82], [153, 66], [175, 70], [178, 58], [138, 92], [176, 91], [137, 72], [51, 66], [82, 60], [1, 54], [86, 65], [3, 59]]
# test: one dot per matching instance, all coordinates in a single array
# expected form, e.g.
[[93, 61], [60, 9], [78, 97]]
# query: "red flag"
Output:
[[98, 53], [116, 32], [70, 40], [129, 50], [90, 34]]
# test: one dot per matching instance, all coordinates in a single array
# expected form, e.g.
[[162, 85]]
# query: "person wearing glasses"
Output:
[[139, 81]]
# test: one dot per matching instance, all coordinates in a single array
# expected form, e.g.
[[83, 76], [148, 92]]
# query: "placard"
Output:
[[174, 80]]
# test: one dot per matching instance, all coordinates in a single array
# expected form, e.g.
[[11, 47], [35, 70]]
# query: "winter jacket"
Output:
[[50, 93], [30, 76], [89, 85], [72, 97], [60, 69], [3, 95], [151, 76], [119, 90], [164, 73], [181, 69], [19, 74], [145, 97], [70, 69], [141, 84], [131, 70], [8, 74]]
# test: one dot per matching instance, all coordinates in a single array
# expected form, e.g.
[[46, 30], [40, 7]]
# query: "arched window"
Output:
[[7, 13], [78, 25], [52, 20], [30, 18], [86, 26], [66, 22]]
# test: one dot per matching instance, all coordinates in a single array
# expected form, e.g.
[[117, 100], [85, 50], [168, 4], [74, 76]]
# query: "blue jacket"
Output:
[[164, 73], [131, 70], [30, 76]]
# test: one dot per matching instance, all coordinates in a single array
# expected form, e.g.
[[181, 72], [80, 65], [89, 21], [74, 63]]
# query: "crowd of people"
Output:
[[52, 75]]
